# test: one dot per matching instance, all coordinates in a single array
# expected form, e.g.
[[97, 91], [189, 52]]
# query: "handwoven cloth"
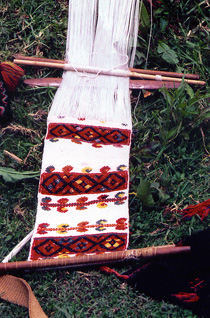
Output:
[[83, 189]]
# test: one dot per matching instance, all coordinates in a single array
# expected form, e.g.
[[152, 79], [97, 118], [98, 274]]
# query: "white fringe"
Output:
[[101, 33]]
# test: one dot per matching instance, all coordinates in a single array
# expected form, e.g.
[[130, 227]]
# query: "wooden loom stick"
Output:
[[152, 72], [133, 84], [39, 59], [17, 248], [94, 259], [151, 84], [52, 82], [102, 71]]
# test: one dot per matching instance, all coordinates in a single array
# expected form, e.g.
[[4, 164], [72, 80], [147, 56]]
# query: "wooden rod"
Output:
[[151, 84], [52, 82], [165, 73], [133, 84], [152, 72], [34, 58], [18, 247], [103, 71], [12, 156], [94, 259]]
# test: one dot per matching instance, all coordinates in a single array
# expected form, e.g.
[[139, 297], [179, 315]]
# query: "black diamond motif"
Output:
[[102, 135]]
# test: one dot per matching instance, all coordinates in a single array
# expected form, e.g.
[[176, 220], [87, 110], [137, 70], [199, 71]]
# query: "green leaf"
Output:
[[158, 11], [163, 196], [144, 193], [8, 238], [139, 58], [11, 175], [174, 132], [163, 25], [191, 45], [144, 18], [189, 91], [167, 53], [170, 57]]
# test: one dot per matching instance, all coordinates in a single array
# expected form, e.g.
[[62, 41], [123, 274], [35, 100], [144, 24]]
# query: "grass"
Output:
[[170, 153]]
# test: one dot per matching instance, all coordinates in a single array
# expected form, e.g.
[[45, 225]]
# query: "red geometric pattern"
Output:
[[91, 134], [74, 183], [57, 246]]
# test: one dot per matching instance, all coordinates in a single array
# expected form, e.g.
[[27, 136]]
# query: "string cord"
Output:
[[150, 34], [146, 60], [90, 76], [95, 27]]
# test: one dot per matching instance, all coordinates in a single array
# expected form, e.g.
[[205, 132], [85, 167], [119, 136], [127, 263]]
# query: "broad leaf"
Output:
[[144, 193], [167, 53], [11, 175]]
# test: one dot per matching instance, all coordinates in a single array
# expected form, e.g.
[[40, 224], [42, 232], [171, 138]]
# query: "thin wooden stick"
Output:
[[94, 259], [165, 73], [52, 82], [133, 84], [17, 248], [152, 72], [12, 156], [34, 58], [150, 85], [102, 71]]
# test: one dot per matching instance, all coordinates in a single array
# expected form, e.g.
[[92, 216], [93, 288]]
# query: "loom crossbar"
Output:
[[143, 71], [103, 71]]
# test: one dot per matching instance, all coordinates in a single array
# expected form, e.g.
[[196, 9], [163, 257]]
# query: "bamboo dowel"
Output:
[[102, 71], [94, 259], [133, 84], [34, 58], [165, 73], [143, 71]]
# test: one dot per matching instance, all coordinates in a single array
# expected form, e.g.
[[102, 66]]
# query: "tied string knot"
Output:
[[90, 72]]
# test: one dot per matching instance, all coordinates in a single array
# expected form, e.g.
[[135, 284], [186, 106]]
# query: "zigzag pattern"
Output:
[[59, 183], [91, 134], [56, 246]]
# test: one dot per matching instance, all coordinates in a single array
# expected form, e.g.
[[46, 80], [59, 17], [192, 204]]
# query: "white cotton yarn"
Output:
[[101, 33]]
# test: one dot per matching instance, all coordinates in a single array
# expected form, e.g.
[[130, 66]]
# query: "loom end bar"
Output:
[[94, 259]]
